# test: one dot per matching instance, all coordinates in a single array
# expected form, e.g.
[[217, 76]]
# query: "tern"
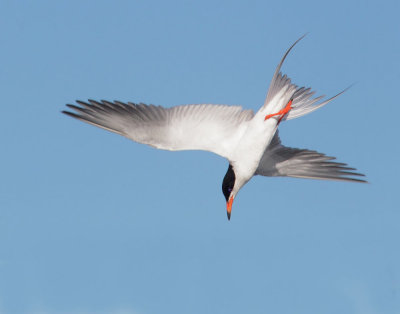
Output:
[[248, 140]]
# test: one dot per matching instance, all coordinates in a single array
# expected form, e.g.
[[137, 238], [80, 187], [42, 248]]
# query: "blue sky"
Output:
[[91, 222]]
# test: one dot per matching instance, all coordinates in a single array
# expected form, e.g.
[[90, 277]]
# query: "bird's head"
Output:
[[229, 189]]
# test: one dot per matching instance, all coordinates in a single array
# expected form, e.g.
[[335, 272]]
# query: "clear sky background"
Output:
[[91, 222]]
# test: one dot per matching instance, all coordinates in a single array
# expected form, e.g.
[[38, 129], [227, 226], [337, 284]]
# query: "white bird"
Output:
[[250, 142]]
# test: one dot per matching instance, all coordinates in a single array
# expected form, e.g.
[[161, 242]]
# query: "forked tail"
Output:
[[282, 91]]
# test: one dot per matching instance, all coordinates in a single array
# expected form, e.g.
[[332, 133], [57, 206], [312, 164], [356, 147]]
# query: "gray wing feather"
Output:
[[279, 160], [187, 127]]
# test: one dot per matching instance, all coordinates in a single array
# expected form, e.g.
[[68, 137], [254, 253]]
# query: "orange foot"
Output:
[[283, 112]]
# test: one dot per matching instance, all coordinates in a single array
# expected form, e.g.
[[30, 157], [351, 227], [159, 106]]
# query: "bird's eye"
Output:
[[229, 190]]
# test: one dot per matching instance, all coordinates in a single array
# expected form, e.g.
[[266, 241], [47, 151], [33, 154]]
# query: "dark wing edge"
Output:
[[284, 161], [112, 116]]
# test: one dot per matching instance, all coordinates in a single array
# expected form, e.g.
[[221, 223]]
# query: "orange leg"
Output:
[[282, 112]]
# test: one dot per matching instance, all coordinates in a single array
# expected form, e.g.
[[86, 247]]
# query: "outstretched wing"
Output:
[[190, 127], [282, 90], [284, 161]]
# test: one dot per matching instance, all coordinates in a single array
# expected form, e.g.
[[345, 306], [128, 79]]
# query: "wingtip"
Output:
[[68, 113]]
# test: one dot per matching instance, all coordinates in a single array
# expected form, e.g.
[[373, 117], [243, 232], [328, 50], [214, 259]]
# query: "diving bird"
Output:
[[248, 140]]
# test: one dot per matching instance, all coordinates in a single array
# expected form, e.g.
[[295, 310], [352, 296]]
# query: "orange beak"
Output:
[[229, 207]]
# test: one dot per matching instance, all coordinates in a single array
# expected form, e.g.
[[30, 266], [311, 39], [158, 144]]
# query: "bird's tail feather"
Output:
[[282, 90]]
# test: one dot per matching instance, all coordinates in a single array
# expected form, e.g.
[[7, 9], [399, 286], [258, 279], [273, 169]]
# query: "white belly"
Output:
[[251, 146]]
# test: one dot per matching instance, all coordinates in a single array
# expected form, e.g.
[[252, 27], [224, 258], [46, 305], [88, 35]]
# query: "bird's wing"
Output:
[[282, 90], [279, 160], [189, 127]]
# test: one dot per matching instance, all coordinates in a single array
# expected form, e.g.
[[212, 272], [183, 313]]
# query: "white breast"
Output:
[[251, 146]]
